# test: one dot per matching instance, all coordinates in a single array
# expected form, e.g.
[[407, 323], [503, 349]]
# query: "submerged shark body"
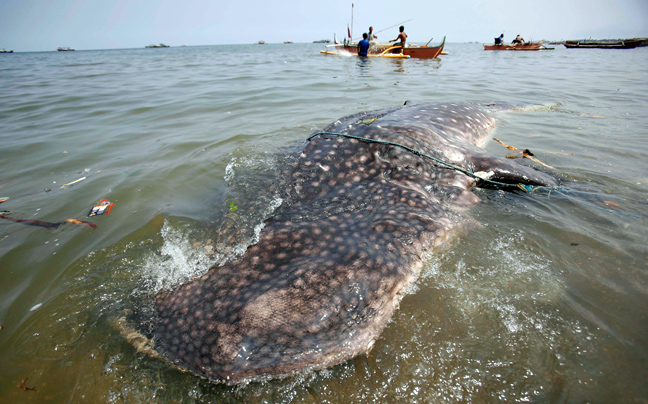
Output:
[[330, 268]]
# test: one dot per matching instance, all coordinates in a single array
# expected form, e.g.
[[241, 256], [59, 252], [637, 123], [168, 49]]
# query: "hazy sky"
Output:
[[38, 25]]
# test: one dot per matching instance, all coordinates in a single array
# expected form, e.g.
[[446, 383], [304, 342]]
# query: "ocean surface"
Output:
[[539, 298]]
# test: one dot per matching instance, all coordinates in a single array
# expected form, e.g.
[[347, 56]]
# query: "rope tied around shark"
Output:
[[523, 187]]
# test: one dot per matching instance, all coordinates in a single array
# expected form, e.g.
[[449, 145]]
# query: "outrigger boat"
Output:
[[386, 50], [526, 46]]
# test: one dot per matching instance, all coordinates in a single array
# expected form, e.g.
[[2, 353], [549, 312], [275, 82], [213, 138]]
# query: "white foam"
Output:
[[176, 262]]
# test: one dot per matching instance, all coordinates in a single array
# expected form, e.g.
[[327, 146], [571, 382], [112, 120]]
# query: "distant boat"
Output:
[[159, 45], [323, 41], [6, 51], [65, 49], [604, 44], [527, 46], [288, 41], [261, 42]]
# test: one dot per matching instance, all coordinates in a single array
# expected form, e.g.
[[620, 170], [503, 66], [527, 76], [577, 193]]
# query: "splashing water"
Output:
[[177, 261]]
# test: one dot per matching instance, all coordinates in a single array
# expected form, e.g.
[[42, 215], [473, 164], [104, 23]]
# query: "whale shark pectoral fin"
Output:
[[508, 172]]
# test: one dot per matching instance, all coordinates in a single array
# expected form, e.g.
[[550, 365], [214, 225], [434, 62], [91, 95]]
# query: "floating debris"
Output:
[[23, 386], [610, 203], [526, 153], [233, 207], [103, 208], [49, 225], [82, 223], [73, 182], [39, 223], [7, 183]]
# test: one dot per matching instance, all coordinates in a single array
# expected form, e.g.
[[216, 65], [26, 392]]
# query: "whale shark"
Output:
[[368, 198]]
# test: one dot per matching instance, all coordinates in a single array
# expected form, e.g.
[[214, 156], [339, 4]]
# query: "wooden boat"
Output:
[[65, 49], [6, 51], [527, 46], [622, 44], [387, 50], [424, 52]]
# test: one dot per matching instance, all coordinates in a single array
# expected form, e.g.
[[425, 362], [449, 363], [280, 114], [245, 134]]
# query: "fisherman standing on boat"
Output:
[[372, 37], [518, 39], [402, 38], [363, 46]]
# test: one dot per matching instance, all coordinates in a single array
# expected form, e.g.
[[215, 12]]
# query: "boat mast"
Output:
[[350, 39]]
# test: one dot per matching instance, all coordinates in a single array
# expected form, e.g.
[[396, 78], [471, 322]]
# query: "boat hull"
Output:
[[424, 52], [602, 44], [531, 46]]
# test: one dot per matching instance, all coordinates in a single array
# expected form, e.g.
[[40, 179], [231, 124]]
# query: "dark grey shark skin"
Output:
[[331, 267]]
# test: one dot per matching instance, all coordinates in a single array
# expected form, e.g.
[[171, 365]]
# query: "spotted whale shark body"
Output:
[[330, 268]]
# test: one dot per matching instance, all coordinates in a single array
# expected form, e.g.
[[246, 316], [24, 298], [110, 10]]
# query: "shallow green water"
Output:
[[538, 298]]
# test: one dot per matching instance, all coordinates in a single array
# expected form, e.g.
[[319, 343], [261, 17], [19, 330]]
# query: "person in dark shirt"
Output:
[[363, 46], [499, 40]]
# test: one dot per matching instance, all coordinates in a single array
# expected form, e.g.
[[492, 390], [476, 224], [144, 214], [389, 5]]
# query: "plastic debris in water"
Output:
[[82, 223], [23, 386], [32, 222], [49, 225], [73, 182], [103, 208], [613, 204]]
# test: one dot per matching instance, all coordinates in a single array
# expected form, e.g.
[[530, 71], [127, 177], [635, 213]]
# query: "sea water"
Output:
[[540, 297]]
